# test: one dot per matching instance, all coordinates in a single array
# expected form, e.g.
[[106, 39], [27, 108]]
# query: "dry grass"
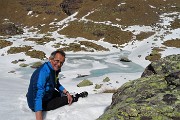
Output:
[[144, 35], [36, 54], [28, 51], [155, 55], [93, 45], [40, 41], [93, 31], [175, 24], [4, 43], [75, 47], [133, 12], [14, 50], [172, 43], [109, 91], [44, 12]]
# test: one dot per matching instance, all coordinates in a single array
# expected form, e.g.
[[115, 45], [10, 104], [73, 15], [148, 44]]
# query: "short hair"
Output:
[[53, 54]]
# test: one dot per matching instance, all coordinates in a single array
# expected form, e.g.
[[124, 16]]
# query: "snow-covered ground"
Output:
[[97, 65]]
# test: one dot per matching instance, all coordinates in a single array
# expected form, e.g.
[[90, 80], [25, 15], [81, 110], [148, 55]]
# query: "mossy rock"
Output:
[[85, 83], [106, 79], [36, 64], [165, 66], [97, 86], [23, 65], [125, 59], [152, 97]]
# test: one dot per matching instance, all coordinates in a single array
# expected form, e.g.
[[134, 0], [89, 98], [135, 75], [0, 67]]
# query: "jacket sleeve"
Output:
[[40, 88]]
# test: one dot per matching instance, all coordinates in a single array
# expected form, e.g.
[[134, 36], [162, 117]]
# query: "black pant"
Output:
[[57, 101]]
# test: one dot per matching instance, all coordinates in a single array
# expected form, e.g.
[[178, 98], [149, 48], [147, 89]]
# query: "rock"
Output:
[[162, 66], [154, 96], [23, 65], [79, 76], [84, 83], [106, 79], [36, 64], [125, 59], [97, 86]]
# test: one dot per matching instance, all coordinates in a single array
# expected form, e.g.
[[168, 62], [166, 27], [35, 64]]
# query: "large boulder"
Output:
[[154, 96]]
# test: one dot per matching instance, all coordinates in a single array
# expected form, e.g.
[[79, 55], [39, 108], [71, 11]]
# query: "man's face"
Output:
[[57, 62]]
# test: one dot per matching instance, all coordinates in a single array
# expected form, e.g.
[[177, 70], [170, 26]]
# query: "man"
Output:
[[45, 91]]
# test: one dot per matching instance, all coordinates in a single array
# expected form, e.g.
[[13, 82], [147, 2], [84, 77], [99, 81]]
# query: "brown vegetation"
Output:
[[172, 43], [4, 43]]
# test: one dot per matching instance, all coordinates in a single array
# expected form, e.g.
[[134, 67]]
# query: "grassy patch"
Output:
[[81, 46], [175, 24], [36, 54], [155, 55], [75, 47], [26, 50], [144, 35], [4, 43], [131, 12], [14, 50], [172, 43], [59, 45], [93, 45], [40, 41], [109, 91], [95, 31]]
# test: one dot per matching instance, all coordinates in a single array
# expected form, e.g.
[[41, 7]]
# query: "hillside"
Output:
[[105, 20]]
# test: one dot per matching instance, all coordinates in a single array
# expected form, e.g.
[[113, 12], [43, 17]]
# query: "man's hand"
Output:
[[39, 115], [69, 98]]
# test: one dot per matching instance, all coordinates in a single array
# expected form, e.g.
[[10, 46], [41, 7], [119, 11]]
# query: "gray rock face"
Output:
[[154, 96]]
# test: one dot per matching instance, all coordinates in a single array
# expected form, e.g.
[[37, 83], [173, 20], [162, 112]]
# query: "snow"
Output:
[[98, 65]]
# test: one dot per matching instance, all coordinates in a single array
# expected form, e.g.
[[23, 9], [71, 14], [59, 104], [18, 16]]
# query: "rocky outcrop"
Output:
[[8, 28], [163, 66], [71, 6], [154, 96]]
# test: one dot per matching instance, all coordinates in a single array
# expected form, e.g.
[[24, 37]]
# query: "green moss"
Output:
[[129, 99], [85, 83], [106, 79], [97, 86]]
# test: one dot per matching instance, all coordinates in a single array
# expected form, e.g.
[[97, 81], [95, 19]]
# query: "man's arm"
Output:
[[68, 96], [61, 88], [39, 115]]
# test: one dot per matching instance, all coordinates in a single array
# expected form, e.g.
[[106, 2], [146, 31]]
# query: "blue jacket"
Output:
[[41, 87]]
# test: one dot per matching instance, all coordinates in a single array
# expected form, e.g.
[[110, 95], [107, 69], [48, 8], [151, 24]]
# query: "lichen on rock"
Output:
[[154, 96]]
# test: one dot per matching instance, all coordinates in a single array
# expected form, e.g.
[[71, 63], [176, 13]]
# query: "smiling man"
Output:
[[45, 92]]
